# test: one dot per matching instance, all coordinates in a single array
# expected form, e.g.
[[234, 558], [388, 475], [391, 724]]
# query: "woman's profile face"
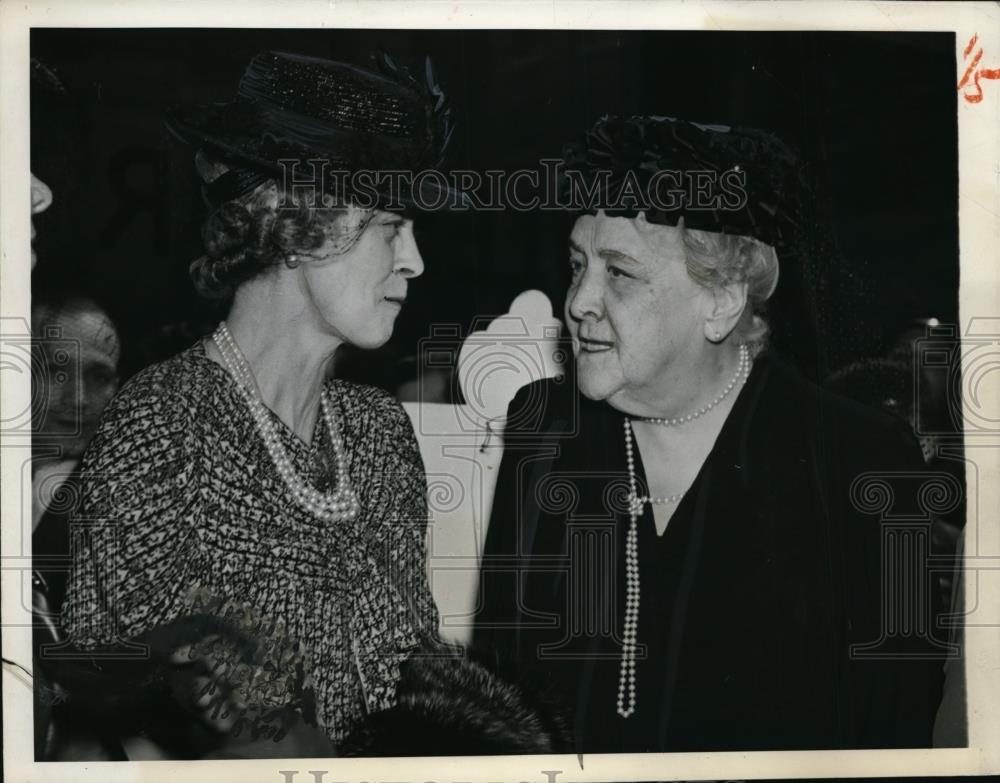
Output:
[[634, 314], [357, 295]]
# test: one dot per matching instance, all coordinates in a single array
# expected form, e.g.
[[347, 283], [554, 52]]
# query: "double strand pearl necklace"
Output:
[[626, 672], [342, 503]]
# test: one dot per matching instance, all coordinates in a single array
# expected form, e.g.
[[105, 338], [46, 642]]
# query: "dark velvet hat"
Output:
[[290, 107], [718, 178]]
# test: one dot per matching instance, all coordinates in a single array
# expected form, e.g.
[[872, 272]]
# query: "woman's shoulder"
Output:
[[375, 427], [549, 407], [363, 404], [155, 424], [363, 396], [802, 408], [185, 370], [170, 394]]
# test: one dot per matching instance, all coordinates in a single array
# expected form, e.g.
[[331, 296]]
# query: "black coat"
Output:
[[769, 572]]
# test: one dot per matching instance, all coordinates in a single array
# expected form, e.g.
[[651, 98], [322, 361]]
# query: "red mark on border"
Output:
[[970, 44], [975, 75]]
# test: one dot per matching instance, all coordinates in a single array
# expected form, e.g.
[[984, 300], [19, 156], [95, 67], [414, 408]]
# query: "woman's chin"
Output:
[[373, 338], [372, 343], [595, 384]]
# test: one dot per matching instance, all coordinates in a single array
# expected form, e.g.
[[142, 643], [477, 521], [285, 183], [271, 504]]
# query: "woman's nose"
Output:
[[409, 262], [586, 298], [41, 195]]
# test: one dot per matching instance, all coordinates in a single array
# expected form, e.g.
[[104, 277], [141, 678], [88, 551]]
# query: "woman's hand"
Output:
[[239, 679], [199, 683], [250, 731]]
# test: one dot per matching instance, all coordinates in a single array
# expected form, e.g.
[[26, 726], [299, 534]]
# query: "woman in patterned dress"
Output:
[[234, 481]]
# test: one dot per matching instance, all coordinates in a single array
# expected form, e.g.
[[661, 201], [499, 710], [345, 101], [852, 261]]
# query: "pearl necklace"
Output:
[[626, 672], [742, 370], [342, 503]]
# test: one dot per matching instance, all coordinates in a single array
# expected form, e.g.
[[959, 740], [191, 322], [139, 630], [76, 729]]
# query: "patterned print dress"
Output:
[[183, 513]]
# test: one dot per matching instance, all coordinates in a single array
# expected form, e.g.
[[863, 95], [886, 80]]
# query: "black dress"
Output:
[[767, 574]]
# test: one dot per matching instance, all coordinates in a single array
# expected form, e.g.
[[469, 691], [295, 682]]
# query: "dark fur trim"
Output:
[[448, 704]]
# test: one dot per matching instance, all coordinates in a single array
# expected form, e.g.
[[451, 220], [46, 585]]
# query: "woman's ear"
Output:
[[726, 305]]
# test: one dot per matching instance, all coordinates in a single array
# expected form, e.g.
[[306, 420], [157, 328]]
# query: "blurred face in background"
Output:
[[41, 199], [75, 352]]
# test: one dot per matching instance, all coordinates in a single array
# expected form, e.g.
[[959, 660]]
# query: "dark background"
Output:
[[873, 113]]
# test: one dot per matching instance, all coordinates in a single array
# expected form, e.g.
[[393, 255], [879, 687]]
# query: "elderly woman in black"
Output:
[[236, 482], [673, 552]]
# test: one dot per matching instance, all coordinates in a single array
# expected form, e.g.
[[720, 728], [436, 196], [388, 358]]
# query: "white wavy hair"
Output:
[[714, 260]]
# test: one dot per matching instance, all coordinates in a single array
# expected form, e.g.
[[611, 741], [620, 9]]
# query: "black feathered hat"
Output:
[[290, 107], [718, 178]]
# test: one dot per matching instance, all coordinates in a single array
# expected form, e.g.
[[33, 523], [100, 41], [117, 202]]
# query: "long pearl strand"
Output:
[[742, 371], [342, 503], [626, 673]]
